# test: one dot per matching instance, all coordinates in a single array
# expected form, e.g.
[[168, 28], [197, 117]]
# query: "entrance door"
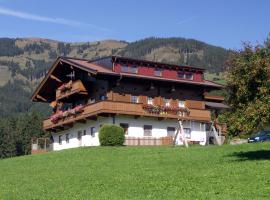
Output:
[[79, 137]]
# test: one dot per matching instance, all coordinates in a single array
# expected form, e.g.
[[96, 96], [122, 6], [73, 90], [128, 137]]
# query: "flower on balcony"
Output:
[[165, 109], [63, 114], [65, 86]]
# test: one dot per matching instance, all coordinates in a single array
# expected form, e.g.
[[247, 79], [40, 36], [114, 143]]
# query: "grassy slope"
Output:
[[140, 173]]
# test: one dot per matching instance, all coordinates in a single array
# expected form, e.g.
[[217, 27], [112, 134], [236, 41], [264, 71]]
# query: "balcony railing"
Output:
[[69, 89], [90, 111]]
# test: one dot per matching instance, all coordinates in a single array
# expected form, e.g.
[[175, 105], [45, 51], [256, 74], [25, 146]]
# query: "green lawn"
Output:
[[226, 172]]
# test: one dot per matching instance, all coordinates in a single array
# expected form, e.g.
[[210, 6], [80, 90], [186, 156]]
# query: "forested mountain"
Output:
[[23, 62]]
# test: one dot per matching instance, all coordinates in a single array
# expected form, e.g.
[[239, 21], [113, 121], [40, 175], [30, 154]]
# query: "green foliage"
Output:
[[16, 133], [238, 172], [111, 135], [249, 89]]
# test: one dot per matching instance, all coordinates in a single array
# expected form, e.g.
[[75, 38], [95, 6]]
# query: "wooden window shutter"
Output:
[[156, 101], [143, 99], [174, 103]]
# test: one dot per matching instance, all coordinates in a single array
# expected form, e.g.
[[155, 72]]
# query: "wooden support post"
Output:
[[42, 98], [55, 78]]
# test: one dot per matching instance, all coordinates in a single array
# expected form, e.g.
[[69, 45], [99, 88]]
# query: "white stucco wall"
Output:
[[136, 129]]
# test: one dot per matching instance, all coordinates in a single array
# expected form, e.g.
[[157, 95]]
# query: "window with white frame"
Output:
[[134, 99], [158, 72], [92, 131], [189, 76], [181, 104], [60, 139], [150, 100], [125, 127], [187, 132], [67, 138], [170, 131], [167, 102], [124, 68], [147, 130], [133, 69]]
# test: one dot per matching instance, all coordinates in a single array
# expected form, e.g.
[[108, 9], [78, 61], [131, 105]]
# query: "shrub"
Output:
[[111, 135]]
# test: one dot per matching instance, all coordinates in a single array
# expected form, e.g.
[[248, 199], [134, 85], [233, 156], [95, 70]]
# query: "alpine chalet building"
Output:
[[148, 99]]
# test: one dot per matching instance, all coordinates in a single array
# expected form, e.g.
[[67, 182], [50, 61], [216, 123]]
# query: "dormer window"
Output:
[[158, 72]]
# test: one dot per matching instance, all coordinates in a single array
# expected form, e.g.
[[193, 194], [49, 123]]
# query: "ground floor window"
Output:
[[60, 139], [170, 131], [187, 132], [92, 131], [147, 130], [79, 136], [67, 138], [125, 127]]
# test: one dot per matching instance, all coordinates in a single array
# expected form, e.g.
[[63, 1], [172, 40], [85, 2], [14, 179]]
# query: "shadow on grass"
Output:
[[252, 155]]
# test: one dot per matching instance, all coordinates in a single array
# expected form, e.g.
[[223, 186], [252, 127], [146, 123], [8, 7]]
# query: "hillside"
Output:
[[225, 172], [23, 62]]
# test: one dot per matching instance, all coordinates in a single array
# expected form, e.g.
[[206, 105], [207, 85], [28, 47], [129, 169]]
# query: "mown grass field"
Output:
[[226, 172]]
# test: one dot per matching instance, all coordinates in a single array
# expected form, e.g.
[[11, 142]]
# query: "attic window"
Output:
[[158, 72], [129, 69]]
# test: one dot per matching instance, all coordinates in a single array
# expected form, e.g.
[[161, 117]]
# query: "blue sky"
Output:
[[225, 23]]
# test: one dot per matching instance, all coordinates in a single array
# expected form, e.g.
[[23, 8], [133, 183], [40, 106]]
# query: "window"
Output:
[[187, 132], [129, 69], [67, 138], [124, 68], [147, 130], [133, 69], [134, 99], [150, 100], [102, 97], [167, 102], [84, 132], [170, 131], [158, 72], [189, 76], [79, 136], [181, 75], [185, 75], [125, 127], [93, 131], [181, 104], [60, 139]]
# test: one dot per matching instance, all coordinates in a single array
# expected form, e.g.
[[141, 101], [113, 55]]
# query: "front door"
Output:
[[79, 137]]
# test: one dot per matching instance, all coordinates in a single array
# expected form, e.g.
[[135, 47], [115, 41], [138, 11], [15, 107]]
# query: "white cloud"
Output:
[[34, 17]]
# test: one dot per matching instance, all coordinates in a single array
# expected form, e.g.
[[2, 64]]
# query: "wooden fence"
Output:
[[148, 141]]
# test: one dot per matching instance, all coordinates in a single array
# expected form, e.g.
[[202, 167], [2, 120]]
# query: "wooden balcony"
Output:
[[71, 88], [91, 111]]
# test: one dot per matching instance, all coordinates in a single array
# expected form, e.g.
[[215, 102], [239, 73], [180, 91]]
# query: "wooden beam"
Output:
[[55, 78], [42, 98]]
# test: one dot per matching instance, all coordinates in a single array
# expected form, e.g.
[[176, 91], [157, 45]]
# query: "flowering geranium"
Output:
[[62, 114], [165, 109]]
